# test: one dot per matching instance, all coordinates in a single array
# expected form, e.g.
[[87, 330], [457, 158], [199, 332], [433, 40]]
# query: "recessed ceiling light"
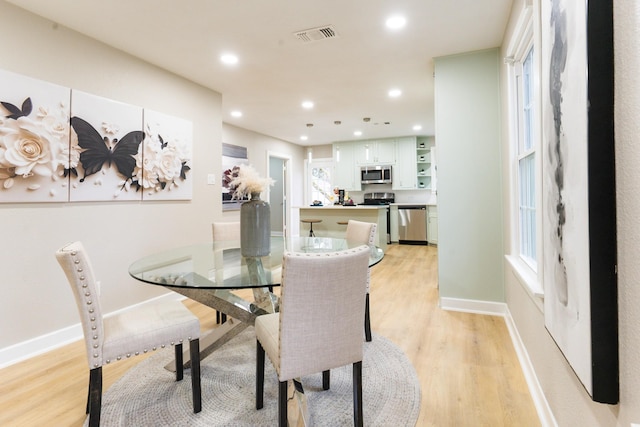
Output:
[[236, 113], [229, 58], [358, 133], [394, 93], [307, 105], [396, 22], [417, 127], [304, 137]]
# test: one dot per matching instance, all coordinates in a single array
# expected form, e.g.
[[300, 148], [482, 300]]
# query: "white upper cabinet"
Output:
[[376, 152], [346, 174], [404, 172]]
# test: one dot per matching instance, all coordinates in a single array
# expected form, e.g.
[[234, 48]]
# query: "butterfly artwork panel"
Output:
[[163, 169], [108, 135], [35, 158]]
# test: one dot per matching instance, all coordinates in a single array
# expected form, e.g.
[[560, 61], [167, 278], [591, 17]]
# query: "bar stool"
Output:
[[311, 222]]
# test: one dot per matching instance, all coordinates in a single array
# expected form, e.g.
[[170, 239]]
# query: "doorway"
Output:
[[278, 164]]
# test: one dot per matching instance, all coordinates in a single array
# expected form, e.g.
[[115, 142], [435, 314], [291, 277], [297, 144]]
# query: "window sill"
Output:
[[526, 277]]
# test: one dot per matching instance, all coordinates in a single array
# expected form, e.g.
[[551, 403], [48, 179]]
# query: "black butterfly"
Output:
[[97, 151], [16, 112]]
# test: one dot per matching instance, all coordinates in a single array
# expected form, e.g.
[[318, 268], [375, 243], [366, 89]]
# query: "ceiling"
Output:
[[347, 76]]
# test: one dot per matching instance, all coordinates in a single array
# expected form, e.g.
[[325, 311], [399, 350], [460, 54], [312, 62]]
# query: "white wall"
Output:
[[467, 110], [567, 398], [36, 299]]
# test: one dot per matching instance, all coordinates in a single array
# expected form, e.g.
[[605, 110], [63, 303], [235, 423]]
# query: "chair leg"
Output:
[[357, 395], [367, 320], [326, 380], [95, 396], [179, 362], [282, 404], [217, 317], [196, 388], [259, 375]]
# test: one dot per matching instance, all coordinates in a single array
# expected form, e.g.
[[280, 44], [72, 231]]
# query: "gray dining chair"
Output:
[[365, 233], [130, 333], [319, 326], [225, 231]]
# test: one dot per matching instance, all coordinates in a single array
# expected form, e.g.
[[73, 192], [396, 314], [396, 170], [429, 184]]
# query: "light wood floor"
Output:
[[466, 363]]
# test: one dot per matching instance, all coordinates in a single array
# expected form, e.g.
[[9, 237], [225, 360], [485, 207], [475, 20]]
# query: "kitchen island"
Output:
[[331, 215]]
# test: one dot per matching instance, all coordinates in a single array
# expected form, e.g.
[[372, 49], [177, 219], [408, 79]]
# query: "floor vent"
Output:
[[316, 34]]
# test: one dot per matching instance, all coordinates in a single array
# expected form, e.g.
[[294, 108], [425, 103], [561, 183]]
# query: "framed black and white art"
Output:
[[579, 225]]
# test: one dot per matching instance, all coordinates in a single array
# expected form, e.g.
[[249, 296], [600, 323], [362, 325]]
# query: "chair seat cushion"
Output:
[[267, 332], [147, 328]]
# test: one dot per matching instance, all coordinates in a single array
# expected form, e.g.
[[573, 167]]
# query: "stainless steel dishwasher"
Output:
[[412, 224]]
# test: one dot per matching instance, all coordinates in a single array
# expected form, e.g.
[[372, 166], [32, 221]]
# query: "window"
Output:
[[526, 160], [525, 148], [319, 182]]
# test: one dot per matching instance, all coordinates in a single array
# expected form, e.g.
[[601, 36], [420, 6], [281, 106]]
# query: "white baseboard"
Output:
[[539, 400], [44, 343], [473, 306], [501, 309]]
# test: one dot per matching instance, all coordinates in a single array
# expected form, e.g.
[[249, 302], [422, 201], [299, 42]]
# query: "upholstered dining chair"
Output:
[[319, 326], [225, 231], [365, 233], [130, 333]]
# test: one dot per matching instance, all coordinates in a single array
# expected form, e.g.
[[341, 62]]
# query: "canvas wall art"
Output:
[[34, 140], [232, 155], [163, 163], [579, 238], [108, 135]]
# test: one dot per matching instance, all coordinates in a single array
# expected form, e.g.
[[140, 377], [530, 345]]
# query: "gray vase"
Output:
[[255, 227]]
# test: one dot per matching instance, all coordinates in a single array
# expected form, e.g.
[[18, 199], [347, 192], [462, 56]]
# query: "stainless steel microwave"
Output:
[[378, 174]]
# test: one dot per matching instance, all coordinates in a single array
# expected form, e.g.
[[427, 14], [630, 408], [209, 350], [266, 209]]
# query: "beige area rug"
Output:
[[148, 395]]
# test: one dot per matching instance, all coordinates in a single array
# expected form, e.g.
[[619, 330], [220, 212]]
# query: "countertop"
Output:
[[343, 207], [412, 204]]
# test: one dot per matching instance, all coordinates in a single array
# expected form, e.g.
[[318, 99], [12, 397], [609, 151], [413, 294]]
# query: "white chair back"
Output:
[[77, 267], [361, 232], [321, 311], [226, 231]]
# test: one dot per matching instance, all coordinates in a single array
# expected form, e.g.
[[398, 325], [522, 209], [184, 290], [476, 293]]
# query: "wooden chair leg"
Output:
[[282, 404], [259, 375], [326, 380], [95, 396], [217, 317], [367, 320], [357, 395], [196, 388], [179, 362]]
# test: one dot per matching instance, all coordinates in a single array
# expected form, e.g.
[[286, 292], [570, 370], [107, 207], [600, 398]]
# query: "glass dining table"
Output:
[[210, 272]]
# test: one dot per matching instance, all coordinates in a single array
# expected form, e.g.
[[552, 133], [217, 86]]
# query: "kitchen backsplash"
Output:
[[401, 196]]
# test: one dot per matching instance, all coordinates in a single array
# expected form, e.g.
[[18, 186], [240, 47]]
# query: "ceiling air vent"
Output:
[[316, 34]]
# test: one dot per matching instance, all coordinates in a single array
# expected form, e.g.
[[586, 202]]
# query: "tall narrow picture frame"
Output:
[[578, 167]]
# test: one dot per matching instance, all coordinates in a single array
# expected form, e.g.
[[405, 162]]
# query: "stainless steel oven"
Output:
[[381, 199]]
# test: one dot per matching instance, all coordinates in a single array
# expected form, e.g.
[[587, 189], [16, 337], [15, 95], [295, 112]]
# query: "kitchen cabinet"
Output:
[[346, 174], [432, 224], [423, 164], [376, 152], [405, 170]]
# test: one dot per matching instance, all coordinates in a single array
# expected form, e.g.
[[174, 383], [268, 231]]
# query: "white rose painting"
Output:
[[108, 135], [163, 162], [34, 140], [60, 145]]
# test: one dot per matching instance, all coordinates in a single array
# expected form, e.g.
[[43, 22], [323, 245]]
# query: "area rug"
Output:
[[148, 395]]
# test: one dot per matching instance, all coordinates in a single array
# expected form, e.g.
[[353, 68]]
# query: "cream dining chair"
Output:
[[130, 333], [365, 233], [319, 326], [225, 231]]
